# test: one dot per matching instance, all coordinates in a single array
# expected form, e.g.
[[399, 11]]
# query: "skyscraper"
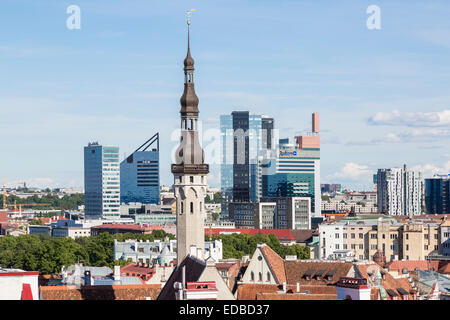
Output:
[[399, 191], [243, 137], [139, 174], [437, 194], [101, 181], [189, 170], [294, 169]]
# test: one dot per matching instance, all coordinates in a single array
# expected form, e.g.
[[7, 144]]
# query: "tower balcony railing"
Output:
[[190, 168]]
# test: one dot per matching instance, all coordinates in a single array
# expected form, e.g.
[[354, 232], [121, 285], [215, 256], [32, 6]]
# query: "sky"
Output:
[[383, 95]]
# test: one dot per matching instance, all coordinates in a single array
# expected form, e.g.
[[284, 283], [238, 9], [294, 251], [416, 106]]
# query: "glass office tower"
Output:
[[242, 140], [294, 172], [101, 181], [139, 174], [437, 194]]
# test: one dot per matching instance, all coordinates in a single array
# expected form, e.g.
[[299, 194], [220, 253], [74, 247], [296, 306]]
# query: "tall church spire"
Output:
[[190, 171], [189, 100]]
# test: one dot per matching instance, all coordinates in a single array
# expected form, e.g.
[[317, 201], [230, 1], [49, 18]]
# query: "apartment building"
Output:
[[390, 239]]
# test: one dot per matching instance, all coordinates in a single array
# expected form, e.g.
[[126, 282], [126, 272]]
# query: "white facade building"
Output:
[[399, 191], [17, 284], [331, 240]]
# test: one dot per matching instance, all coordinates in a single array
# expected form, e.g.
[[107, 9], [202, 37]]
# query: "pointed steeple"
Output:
[[189, 100], [188, 61]]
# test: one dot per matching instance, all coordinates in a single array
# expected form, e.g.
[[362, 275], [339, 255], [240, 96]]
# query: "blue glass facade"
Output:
[[139, 178], [437, 195], [242, 139], [101, 181], [294, 173]]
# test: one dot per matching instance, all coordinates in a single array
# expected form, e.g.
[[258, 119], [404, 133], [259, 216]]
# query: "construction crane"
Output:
[[4, 191], [28, 205]]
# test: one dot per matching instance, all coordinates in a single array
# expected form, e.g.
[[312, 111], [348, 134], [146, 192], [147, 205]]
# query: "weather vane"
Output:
[[188, 15]]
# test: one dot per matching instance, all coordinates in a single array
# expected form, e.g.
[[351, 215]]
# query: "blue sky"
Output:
[[383, 95]]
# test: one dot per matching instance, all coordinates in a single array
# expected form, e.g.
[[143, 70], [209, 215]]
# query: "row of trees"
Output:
[[67, 202], [238, 245], [48, 254]]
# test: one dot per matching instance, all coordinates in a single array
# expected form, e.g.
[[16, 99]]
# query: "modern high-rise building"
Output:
[[437, 194], [399, 191], [139, 174], [101, 181], [294, 170], [243, 137]]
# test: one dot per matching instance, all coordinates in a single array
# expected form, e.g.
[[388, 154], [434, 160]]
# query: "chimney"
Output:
[[284, 286], [116, 273], [298, 287], [315, 122], [87, 278]]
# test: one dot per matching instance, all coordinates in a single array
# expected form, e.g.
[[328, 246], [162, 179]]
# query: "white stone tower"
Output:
[[189, 171]]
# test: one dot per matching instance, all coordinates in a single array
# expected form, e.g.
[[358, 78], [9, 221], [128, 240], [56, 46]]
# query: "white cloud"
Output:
[[428, 170], [411, 119], [352, 171]]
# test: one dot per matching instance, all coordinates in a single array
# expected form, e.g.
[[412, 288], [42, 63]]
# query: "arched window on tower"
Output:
[[252, 276], [192, 207], [260, 277], [182, 208], [268, 276]]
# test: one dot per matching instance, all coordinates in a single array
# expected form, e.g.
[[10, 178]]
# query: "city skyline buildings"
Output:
[[139, 174], [101, 181], [363, 85]]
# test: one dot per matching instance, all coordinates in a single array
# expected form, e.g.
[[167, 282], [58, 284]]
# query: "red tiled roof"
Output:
[[114, 292], [411, 265], [270, 292], [295, 272], [389, 282], [295, 296], [121, 226], [281, 234], [276, 263]]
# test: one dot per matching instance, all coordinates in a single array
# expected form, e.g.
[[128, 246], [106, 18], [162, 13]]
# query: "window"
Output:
[[361, 246], [353, 236], [260, 277], [384, 236], [268, 276], [337, 246], [345, 236], [191, 178], [353, 246], [252, 276], [435, 235], [345, 246], [436, 247], [192, 207], [336, 235], [361, 236], [373, 236], [407, 247], [407, 236], [182, 208]]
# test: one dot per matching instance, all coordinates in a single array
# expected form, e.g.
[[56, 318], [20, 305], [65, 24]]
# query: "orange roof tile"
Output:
[[114, 292], [264, 291], [295, 271], [276, 263]]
